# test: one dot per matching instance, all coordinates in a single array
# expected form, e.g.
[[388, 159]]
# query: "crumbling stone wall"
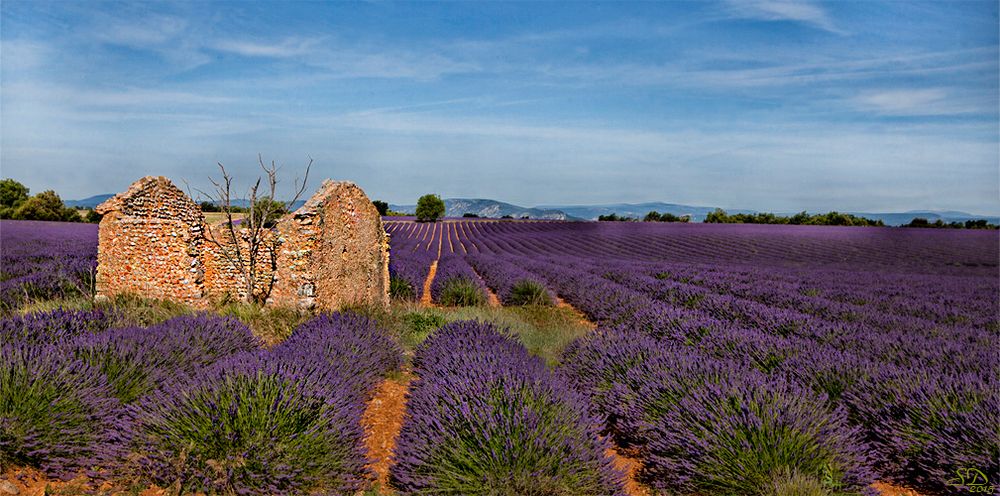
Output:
[[151, 240], [223, 278], [331, 252], [335, 251]]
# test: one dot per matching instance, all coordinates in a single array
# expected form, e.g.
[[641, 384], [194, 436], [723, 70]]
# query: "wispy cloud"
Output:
[[803, 11], [913, 102], [288, 47]]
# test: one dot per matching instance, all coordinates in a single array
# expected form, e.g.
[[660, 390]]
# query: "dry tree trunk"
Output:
[[244, 246]]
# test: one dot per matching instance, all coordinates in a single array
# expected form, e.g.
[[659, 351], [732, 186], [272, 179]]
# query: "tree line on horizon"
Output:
[[16, 203]]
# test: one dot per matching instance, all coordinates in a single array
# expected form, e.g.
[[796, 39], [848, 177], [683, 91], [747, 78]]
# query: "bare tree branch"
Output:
[[243, 246]]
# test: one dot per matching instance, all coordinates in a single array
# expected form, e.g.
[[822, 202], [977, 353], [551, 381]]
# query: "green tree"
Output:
[[430, 208], [46, 206], [382, 207], [652, 216], [717, 216], [12, 195], [267, 211]]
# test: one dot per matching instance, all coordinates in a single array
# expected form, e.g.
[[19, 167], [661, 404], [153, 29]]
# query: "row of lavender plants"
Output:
[[194, 403], [45, 260], [485, 417], [845, 248], [409, 263], [512, 284], [456, 283], [926, 403]]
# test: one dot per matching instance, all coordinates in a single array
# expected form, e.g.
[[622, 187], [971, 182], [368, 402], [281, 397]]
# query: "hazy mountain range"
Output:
[[457, 207]]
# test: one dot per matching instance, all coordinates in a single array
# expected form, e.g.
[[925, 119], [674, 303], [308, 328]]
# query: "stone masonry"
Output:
[[331, 252]]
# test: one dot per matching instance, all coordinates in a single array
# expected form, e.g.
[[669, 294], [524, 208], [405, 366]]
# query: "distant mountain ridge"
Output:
[[637, 210], [90, 202], [487, 208], [457, 207]]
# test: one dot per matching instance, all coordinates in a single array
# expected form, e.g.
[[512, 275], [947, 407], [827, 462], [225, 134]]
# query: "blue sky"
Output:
[[771, 105]]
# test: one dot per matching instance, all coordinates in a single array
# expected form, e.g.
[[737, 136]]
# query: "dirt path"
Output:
[[425, 297], [561, 303], [491, 297], [887, 489], [382, 422], [628, 466]]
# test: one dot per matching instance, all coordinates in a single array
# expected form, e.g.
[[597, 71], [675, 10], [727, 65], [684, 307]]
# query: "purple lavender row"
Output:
[[912, 450], [940, 299], [409, 261], [197, 398], [704, 425], [894, 343], [876, 249], [485, 417], [45, 260], [456, 282], [505, 278]]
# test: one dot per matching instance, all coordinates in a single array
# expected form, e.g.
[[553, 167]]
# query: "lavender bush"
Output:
[[56, 413], [513, 285], [197, 341], [351, 344], [52, 327], [254, 425], [486, 418], [456, 283], [737, 436], [135, 361], [924, 426]]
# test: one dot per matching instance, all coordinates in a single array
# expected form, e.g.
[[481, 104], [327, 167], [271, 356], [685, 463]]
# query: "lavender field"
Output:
[[726, 359]]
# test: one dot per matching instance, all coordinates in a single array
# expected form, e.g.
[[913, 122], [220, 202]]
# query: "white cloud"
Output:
[[914, 102], [289, 47], [784, 10]]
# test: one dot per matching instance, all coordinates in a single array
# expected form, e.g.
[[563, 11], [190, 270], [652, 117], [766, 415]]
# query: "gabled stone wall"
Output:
[[333, 251], [150, 243]]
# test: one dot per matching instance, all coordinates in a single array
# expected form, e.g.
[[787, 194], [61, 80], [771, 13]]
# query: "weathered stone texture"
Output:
[[150, 243], [335, 251], [223, 278], [331, 252]]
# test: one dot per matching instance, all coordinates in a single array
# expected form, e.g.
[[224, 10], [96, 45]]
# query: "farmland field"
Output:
[[724, 359]]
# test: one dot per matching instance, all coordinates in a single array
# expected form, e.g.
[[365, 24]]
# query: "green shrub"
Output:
[[419, 325], [461, 293], [401, 289], [790, 483], [528, 292]]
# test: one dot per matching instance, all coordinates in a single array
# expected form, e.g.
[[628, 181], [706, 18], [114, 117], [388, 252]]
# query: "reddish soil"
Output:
[[382, 422], [492, 298], [628, 466], [31, 482], [560, 303], [887, 489], [425, 297]]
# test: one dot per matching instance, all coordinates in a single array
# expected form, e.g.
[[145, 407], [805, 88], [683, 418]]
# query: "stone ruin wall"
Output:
[[223, 278], [330, 246], [150, 243], [332, 252]]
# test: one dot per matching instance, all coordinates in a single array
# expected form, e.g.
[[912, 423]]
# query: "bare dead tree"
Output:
[[245, 242]]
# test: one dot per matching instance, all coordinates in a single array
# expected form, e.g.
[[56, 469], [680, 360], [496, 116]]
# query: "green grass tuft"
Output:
[[528, 292]]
